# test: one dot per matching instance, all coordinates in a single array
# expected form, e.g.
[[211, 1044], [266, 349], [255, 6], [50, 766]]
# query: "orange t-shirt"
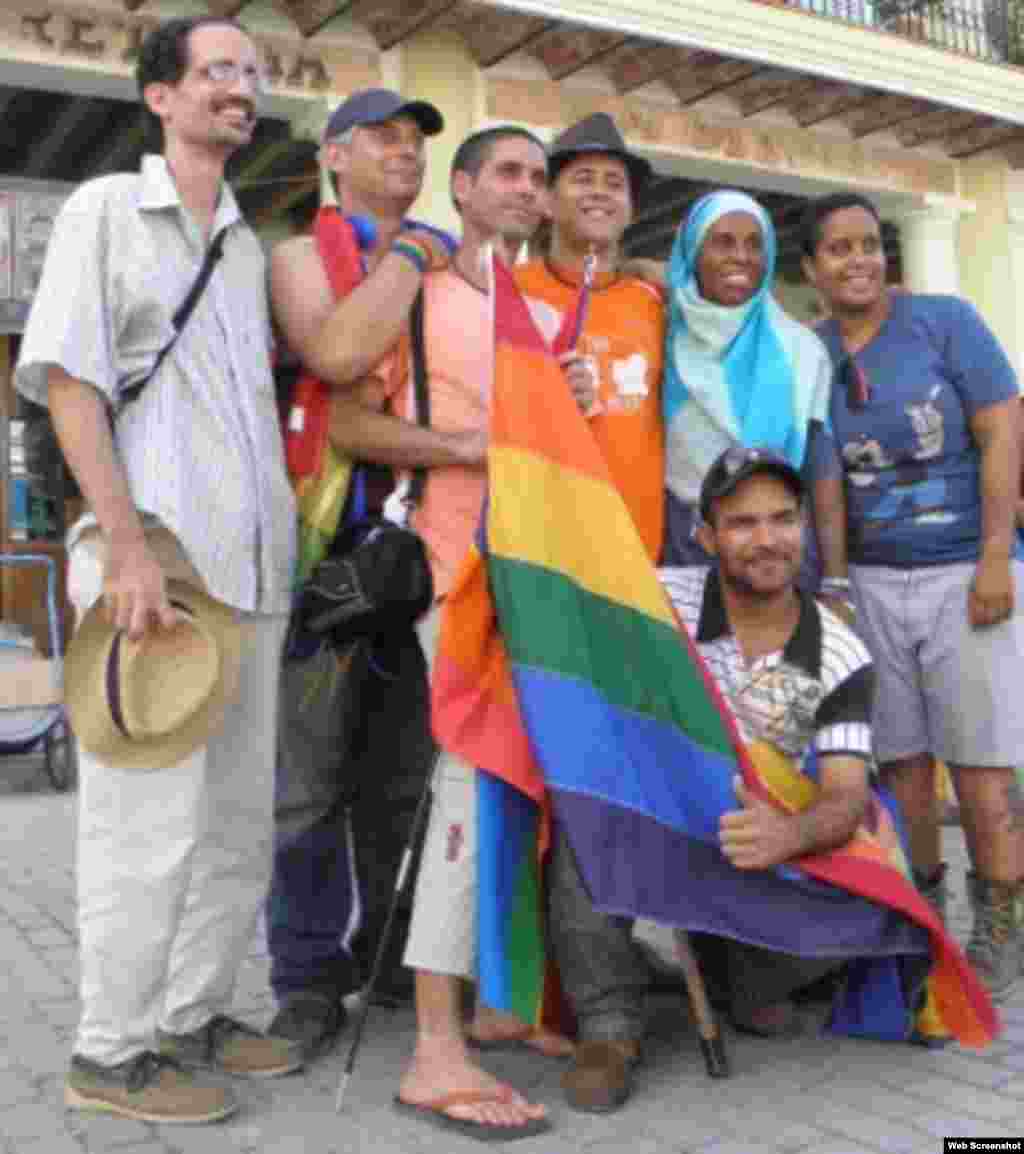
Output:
[[624, 332]]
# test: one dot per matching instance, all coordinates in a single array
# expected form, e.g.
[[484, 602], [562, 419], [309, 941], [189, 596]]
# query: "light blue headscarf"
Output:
[[749, 375]]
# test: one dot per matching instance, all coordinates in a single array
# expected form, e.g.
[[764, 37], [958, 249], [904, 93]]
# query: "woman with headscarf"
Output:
[[738, 370]]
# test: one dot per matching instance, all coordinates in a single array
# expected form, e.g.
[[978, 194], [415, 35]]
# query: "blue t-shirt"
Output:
[[911, 466]]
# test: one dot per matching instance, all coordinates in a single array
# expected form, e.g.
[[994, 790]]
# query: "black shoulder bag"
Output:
[[377, 578]]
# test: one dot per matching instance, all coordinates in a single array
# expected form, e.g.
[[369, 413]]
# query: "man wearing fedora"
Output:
[[181, 580], [332, 839], [595, 185]]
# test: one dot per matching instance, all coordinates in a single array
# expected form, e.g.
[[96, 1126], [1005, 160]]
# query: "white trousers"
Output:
[[173, 864]]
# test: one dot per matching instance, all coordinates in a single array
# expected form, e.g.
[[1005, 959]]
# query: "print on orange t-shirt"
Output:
[[624, 332]]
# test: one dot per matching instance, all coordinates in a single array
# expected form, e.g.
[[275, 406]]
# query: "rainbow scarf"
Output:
[[562, 672], [321, 476]]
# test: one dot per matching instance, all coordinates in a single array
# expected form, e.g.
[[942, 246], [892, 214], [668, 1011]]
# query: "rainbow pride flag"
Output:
[[563, 673]]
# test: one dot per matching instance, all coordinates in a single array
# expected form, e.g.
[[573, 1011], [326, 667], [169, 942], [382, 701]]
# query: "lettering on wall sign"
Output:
[[117, 38]]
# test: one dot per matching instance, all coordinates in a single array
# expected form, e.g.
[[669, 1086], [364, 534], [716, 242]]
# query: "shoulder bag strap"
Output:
[[180, 318], [421, 393]]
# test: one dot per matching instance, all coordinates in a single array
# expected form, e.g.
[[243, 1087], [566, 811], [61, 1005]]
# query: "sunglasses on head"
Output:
[[854, 380], [737, 457]]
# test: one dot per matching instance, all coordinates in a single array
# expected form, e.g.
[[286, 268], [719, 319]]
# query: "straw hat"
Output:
[[150, 703]]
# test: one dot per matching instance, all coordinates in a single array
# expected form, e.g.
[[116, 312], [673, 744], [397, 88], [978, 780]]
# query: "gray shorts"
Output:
[[941, 686]]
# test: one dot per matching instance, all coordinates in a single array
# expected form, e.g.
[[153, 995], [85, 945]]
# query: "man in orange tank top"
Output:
[[498, 184]]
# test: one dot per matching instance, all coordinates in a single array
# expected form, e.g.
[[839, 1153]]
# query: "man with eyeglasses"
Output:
[[184, 479]]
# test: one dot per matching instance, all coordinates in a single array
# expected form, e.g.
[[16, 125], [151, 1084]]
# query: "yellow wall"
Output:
[[991, 259], [437, 67]]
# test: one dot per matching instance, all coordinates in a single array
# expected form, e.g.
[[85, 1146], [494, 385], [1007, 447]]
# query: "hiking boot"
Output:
[[313, 1019], [1018, 913], [149, 1087], [994, 948], [601, 1077], [230, 1047], [934, 889]]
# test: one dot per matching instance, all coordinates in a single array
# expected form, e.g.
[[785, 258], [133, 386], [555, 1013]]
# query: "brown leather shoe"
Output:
[[601, 1077], [231, 1047]]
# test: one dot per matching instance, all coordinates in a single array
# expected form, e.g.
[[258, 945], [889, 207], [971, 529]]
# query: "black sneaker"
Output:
[[313, 1019]]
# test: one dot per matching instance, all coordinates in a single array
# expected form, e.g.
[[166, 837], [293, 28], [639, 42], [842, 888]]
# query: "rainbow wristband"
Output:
[[413, 253]]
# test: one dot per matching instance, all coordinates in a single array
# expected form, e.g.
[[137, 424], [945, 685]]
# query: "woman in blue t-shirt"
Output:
[[925, 415]]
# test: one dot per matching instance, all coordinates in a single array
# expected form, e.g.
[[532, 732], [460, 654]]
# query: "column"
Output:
[[437, 66], [928, 244], [992, 248]]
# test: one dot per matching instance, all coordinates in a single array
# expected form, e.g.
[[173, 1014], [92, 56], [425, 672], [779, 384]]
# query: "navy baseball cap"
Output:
[[736, 464], [375, 105]]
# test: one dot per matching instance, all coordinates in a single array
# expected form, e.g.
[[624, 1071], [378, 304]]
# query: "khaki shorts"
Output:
[[941, 687], [442, 932]]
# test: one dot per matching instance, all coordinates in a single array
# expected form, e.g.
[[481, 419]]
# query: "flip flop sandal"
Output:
[[435, 1112]]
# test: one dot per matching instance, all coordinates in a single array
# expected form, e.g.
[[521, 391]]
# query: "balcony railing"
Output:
[[986, 29]]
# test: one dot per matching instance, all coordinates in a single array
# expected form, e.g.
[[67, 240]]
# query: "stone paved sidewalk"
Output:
[[817, 1095]]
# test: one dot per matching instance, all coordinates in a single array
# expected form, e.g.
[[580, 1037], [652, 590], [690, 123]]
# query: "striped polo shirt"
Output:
[[815, 692], [201, 447]]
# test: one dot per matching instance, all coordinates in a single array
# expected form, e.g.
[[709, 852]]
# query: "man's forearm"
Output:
[[830, 525], [1000, 482], [365, 325], [82, 426], [363, 434], [829, 822]]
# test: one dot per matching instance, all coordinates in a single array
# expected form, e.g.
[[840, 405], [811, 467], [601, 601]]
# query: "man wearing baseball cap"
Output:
[[373, 151], [795, 678], [374, 154]]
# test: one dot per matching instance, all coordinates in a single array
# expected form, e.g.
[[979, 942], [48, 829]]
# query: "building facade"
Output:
[[917, 103]]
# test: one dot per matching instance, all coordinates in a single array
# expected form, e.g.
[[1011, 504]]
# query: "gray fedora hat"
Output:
[[597, 133]]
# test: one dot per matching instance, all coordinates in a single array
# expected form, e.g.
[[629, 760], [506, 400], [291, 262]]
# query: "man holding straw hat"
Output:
[[150, 341]]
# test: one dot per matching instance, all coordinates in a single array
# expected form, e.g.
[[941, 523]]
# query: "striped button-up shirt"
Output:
[[201, 447], [815, 692]]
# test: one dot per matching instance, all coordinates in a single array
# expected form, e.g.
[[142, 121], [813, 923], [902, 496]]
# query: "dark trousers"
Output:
[[744, 978], [606, 979], [344, 813], [603, 974]]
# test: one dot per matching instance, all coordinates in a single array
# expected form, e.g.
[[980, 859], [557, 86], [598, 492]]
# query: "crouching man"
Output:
[[796, 679]]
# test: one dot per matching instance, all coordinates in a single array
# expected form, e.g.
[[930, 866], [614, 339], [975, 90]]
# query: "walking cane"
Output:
[[712, 1045], [400, 879]]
